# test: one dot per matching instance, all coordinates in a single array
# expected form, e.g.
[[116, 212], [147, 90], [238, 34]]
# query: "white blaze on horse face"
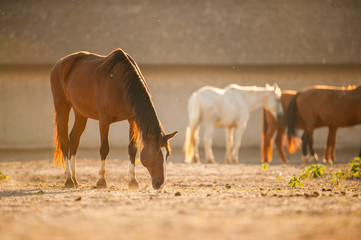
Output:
[[164, 153]]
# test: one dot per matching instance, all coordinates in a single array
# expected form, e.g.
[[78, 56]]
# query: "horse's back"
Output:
[[335, 106]]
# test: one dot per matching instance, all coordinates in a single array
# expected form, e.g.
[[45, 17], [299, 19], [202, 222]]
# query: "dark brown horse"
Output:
[[317, 106], [109, 89]]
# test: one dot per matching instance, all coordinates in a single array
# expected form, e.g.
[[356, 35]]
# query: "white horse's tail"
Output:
[[194, 117]]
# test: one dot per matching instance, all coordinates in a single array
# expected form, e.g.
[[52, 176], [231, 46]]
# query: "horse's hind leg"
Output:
[[196, 145], [104, 150], [229, 144], [329, 155], [132, 150], [78, 128], [62, 111], [279, 141]]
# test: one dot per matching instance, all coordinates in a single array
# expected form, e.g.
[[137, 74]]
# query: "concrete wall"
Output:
[[180, 46], [230, 32]]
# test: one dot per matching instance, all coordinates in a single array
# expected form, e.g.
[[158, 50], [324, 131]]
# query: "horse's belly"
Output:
[[225, 124]]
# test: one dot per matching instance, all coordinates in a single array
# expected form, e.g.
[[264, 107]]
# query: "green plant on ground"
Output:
[[295, 183], [3, 177], [313, 171], [355, 164], [353, 172], [264, 166]]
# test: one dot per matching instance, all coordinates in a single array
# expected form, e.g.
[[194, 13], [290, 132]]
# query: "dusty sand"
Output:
[[204, 201]]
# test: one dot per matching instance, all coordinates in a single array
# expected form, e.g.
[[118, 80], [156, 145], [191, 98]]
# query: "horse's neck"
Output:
[[255, 99]]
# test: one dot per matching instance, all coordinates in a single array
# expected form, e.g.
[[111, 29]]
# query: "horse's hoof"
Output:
[[304, 159], [284, 160], [314, 158], [101, 183], [69, 183], [75, 182], [133, 184]]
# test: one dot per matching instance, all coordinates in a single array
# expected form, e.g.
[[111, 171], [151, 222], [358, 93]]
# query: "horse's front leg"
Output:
[[238, 138], [207, 142], [314, 156], [229, 145], [305, 140], [104, 150], [132, 151]]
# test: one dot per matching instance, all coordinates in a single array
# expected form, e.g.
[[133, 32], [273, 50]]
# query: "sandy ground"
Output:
[[200, 201]]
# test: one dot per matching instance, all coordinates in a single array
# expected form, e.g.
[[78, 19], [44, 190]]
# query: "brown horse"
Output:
[[109, 89], [270, 125], [317, 106]]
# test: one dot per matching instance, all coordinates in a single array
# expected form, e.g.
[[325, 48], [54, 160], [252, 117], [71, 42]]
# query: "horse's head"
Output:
[[154, 155], [273, 101]]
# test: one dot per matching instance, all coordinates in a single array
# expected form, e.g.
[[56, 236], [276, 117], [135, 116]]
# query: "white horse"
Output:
[[228, 108]]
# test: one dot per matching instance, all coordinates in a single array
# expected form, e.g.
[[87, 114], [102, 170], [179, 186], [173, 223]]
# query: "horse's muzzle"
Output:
[[157, 183]]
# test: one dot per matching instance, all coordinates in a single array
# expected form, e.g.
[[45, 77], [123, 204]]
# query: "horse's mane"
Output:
[[348, 87], [138, 94]]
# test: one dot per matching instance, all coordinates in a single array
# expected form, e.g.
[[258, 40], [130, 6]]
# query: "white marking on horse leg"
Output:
[[314, 157], [131, 171], [102, 169], [72, 166], [67, 168]]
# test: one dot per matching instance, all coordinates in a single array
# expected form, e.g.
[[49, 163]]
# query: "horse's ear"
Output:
[[277, 89], [170, 135]]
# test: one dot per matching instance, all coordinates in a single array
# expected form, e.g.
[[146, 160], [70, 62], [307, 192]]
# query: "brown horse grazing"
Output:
[[109, 89], [333, 107]]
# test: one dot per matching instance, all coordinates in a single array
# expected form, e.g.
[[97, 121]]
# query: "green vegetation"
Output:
[[3, 177], [353, 172], [313, 171], [295, 183], [264, 166]]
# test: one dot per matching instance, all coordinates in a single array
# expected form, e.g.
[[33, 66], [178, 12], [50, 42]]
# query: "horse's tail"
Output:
[[266, 146], [58, 153], [58, 76], [291, 121], [194, 116]]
